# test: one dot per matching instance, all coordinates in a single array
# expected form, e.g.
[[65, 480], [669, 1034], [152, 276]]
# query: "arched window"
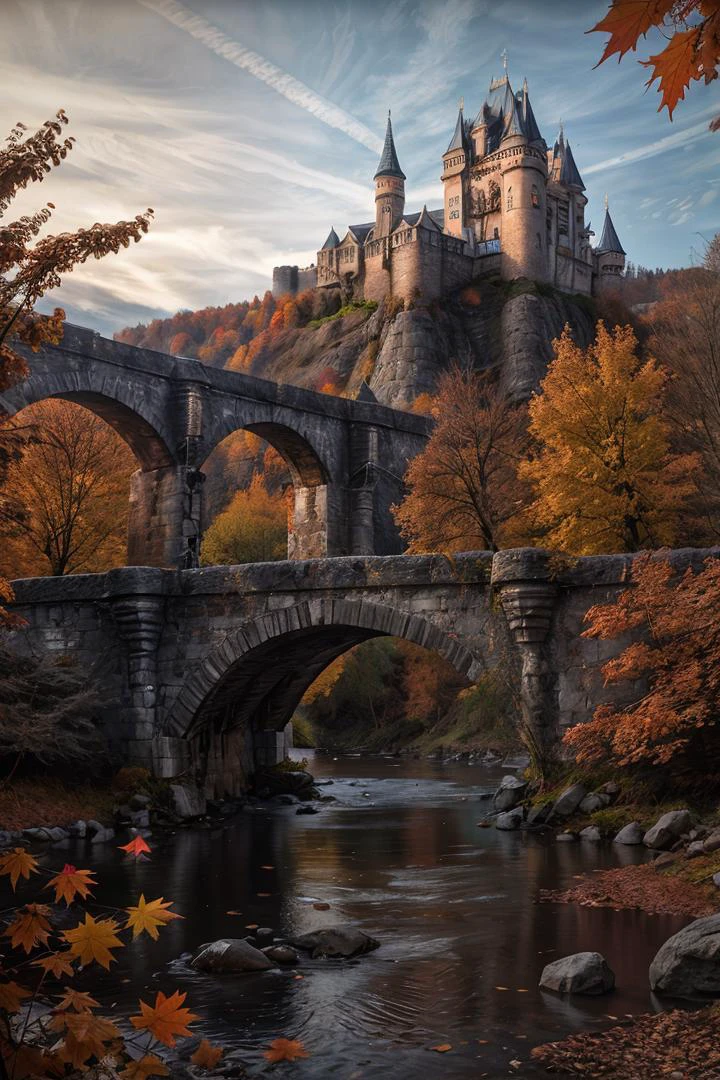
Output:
[[535, 197], [509, 199]]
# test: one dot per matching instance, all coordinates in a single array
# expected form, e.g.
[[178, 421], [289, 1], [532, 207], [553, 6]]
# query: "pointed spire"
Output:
[[332, 241], [569, 172], [389, 164], [609, 241], [458, 140]]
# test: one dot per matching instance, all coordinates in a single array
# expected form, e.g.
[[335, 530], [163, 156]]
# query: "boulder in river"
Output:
[[630, 834], [590, 832], [230, 955], [712, 842], [511, 792], [540, 813], [596, 800], [336, 941], [581, 973], [269, 782], [667, 829], [568, 802], [688, 964], [510, 820], [188, 801], [281, 954]]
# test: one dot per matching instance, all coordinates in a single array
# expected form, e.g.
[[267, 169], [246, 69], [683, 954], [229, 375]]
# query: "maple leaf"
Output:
[[149, 915], [136, 847], [629, 20], [11, 994], [77, 1000], [56, 964], [442, 1048], [17, 863], [86, 1036], [207, 1055], [285, 1050], [675, 67], [165, 1019], [29, 928], [149, 1065], [93, 940], [70, 882]]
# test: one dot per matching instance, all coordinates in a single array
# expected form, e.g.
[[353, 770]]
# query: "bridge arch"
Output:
[[260, 672]]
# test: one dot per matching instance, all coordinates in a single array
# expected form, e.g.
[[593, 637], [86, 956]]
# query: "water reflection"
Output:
[[399, 853]]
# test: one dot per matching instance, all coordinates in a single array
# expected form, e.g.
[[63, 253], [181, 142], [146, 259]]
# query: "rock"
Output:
[[716, 880], [511, 819], [511, 792], [696, 848], [282, 954], [581, 973], [591, 833], [612, 789], [140, 801], [688, 964], [712, 842], [308, 809], [94, 826], [336, 941], [103, 836], [566, 836], [569, 801], [540, 814], [140, 819], [264, 936], [594, 801], [630, 834], [39, 834], [6, 838], [230, 955], [284, 782], [188, 801], [668, 829], [78, 829], [667, 858], [285, 799]]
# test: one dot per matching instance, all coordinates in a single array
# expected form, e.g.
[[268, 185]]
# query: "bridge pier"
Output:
[[157, 523]]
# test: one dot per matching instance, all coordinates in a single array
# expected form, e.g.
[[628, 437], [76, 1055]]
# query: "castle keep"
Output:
[[513, 207]]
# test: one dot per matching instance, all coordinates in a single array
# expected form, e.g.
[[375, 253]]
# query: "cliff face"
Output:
[[507, 327]]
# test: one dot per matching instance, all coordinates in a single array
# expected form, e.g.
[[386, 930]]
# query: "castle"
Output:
[[513, 207]]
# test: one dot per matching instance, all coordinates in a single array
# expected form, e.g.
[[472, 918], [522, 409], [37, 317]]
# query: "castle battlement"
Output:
[[513, 206]]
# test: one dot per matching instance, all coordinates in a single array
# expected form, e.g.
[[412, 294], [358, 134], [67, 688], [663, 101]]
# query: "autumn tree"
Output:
[[685, 337], [691, 29], [64, 504], [674, 718], [464, 493], [30, 267], [603, 474], [711, 260], [253, 528]]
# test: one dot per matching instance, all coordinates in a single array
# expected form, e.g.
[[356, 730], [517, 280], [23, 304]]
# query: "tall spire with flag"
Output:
[[389, 164]]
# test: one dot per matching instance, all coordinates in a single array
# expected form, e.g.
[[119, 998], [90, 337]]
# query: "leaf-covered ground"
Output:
[[44, 801], [677, 1044], [641, 887]]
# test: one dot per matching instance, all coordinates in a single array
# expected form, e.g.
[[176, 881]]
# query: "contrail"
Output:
[[263, 69], [640, 153]]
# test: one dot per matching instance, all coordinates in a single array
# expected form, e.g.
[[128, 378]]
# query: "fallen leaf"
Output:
[[442, 1048], [206, 1055], [93, 940], [136, 847], [483, 1042], [71, 882], [251, 926], [77, 1000], [148, 915], [267, 867], [17, 863], [165, 1019], [321, 907], [56, 964], [11, 995], [29, 928], [285, 1050], [149, 1065], [233, 912], [502, 987], [298, 976], [264, 894]]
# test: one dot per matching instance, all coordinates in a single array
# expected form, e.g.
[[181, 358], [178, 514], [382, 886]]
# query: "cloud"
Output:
[[659, 146], [261, 68]]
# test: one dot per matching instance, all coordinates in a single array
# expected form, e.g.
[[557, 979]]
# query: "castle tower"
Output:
[[389, 188], [522, 163], [454, 178], [609, 254]]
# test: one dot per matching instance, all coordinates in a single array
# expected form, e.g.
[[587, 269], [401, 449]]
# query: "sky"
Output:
[[252, 126]]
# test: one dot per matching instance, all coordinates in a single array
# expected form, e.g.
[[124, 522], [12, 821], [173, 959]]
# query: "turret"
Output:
[[609, 254], [455, 161], [389, 188]]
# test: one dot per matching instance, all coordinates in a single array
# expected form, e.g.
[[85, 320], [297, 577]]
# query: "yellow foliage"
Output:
[[604, 477], [252, 529]]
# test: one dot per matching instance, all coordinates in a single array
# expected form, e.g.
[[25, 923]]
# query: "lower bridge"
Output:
[[201, 670]]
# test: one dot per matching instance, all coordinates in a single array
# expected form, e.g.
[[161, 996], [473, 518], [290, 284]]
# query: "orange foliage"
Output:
[[166, 1018], [692, 52], [286, 1050], [674, 722]]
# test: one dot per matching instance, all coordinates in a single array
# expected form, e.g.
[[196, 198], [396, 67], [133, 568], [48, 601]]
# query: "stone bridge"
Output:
[[202, 669], [346, 458]]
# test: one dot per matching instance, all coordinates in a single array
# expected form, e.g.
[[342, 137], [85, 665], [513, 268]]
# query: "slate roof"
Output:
[[332, 241], [507, 113], [609, 241], [389, 164], [569, 174], [459, 139], [360, 231]]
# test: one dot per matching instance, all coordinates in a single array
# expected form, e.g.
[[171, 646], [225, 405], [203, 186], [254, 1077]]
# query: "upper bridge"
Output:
[[202, 669], [346, 458]]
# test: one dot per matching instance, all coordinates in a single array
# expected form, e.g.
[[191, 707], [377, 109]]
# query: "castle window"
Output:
[[509, 200], [535, 197], [538, 241], [496, 233]]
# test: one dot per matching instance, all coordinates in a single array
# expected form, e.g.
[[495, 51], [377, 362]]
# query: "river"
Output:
[[401, 855]]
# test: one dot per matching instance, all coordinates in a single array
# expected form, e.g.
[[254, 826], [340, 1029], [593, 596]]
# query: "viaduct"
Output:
[[201, 669]]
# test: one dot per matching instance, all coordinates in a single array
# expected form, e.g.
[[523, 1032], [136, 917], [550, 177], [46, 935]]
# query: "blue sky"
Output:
[[251, 126]]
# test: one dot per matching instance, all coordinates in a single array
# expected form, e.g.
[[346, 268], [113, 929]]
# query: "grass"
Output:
[[347, 309], [41, 801]]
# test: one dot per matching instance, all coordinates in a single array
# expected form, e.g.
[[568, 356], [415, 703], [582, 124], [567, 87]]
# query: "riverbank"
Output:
[[43, 801]]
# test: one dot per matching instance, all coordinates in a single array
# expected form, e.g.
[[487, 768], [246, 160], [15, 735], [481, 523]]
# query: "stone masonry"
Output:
[[202, 669]]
